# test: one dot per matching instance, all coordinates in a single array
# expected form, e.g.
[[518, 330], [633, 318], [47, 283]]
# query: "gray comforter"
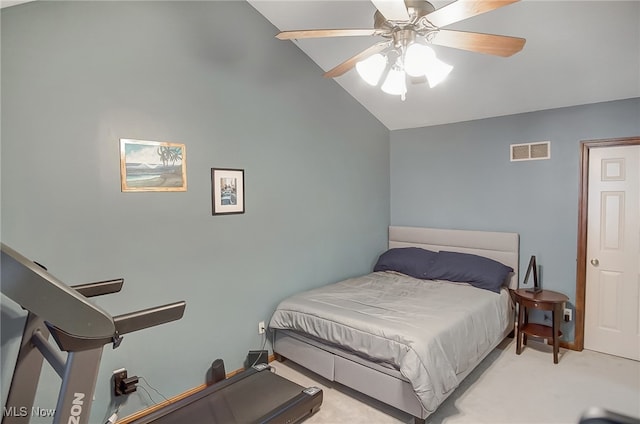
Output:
[[431, 331]]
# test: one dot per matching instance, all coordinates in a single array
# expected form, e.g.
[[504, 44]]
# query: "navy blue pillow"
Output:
[[476, 270], [412, 261]]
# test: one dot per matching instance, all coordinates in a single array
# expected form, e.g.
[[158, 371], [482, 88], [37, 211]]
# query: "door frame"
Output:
[[581, 271]]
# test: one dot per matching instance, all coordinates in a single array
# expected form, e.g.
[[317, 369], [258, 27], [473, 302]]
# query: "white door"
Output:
[[612, 304]]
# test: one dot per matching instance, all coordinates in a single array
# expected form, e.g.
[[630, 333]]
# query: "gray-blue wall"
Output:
[[320, 175], [78, 76], [460, 176]]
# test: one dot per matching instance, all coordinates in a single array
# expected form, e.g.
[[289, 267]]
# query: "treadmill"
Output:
[[79, 328], [256, 395], [82, 329]]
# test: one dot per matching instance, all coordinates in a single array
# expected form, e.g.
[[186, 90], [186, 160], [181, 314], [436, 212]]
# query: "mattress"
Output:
[[432, 332]]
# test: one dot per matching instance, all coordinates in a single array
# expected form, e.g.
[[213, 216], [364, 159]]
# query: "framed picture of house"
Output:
[[227, 191], [152, 166]]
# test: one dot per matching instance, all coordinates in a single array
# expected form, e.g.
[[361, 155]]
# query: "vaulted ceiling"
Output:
[[577, 52]]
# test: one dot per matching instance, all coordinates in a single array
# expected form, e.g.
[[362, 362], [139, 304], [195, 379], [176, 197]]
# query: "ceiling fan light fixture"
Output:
[[371, 69], [417, 59], [437, 72], [395, 83]]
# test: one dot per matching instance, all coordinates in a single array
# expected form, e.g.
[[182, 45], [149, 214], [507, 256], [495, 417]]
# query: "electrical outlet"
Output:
[[122, 383], [261, 327], [568, 314], [119, 376]]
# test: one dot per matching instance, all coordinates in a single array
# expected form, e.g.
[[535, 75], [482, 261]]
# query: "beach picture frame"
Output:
[[152, 166], [227, 191]]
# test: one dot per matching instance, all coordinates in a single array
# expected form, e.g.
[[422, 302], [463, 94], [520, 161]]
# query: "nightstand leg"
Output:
[[556, 336], [525, 321], [519, 333]]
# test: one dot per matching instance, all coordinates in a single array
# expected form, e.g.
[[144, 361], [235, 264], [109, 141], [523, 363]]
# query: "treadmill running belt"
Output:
[[254, 396]]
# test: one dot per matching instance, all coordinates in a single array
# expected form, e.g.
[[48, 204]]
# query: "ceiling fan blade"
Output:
[[499, 45], [464, 9], [323, 33], [350, 63], [392, 10]]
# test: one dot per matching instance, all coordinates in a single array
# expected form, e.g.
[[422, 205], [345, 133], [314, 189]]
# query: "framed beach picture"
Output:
[[152, 166], [227, 190]]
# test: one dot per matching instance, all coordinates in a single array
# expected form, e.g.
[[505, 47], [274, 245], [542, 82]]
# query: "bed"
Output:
[[410, 331]]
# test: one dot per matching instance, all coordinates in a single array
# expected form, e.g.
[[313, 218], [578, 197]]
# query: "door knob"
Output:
[[595, 262]]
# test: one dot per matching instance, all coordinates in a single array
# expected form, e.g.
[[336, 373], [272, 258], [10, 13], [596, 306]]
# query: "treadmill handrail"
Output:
[[150, 317], [99, 288], [44, 295], [126, 323]]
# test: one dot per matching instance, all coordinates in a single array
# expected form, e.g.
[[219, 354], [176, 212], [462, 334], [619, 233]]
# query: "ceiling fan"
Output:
[[405, 22]]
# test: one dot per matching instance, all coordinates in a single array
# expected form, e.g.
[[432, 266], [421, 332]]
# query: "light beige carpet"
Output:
[[504, 388]]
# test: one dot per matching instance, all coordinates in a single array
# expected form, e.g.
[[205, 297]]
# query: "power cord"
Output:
[[114, 410], [154, 389], [148, 394], [114, 417], [264, 343]]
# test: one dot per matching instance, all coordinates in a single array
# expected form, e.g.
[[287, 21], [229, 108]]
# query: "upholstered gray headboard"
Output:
[[501, 247]]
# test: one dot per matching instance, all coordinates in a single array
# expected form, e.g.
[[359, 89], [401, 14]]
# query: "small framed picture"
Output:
[[227, 190], [152, 166]]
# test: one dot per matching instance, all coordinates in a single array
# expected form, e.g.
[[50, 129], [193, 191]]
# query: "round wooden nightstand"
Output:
[[544, 300]]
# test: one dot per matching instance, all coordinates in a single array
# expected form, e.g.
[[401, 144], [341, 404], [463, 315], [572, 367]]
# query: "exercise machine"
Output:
[[82, 329], [78, 327], [254, 396]]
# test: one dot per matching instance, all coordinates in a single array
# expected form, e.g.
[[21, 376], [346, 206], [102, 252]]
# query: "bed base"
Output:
[[360, 375], [370, 378]]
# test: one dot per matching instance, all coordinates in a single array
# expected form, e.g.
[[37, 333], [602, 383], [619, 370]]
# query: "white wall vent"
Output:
[[531, 151]]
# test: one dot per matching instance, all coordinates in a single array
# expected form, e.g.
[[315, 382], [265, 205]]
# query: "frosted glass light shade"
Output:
[[417, 59], [437, 72], [395, 83], [372, 68]]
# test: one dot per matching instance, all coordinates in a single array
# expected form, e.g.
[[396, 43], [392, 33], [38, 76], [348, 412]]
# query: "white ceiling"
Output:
[[7, 3], [577, 52]]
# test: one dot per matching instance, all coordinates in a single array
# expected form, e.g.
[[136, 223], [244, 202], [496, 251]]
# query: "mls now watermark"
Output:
[[23, 411]]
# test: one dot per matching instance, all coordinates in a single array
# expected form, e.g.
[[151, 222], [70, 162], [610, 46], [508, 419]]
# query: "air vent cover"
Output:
[[531, 151]]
